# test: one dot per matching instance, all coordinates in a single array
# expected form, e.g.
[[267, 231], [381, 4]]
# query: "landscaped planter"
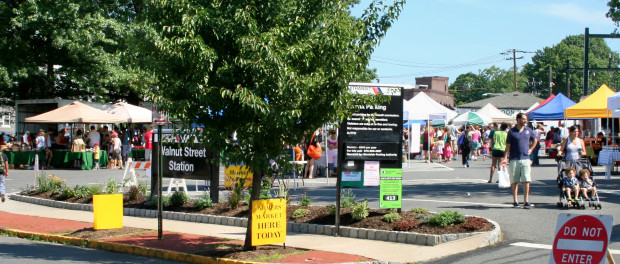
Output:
[[491, 237]]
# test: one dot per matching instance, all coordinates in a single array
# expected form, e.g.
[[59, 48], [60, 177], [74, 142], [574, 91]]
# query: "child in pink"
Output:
[[485, 150], [447, 151]]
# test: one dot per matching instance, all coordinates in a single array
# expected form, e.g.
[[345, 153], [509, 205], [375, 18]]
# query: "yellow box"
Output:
[[268, 222], [108, 211]]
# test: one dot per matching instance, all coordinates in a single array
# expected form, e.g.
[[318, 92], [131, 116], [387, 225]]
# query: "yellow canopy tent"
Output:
[[594, 106]]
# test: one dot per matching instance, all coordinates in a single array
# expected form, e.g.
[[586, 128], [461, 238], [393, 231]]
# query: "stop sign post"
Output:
[[581, 239]]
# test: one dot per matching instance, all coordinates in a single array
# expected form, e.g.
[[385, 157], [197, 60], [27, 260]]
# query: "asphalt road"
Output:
[[23, 251], [528, 233]]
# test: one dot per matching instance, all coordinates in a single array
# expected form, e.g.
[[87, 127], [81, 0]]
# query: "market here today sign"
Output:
[[268, 221]]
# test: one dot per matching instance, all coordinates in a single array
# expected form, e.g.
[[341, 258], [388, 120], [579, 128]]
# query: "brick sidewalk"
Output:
[[177, 242]]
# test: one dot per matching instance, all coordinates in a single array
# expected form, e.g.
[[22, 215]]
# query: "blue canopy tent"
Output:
[[552, 110]]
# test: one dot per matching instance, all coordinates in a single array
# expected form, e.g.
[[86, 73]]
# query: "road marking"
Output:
[[615, 192], [455, 202], [447, 180], [543, 246]]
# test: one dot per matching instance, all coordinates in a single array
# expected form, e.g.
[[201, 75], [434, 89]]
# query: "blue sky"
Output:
[[453, 37]]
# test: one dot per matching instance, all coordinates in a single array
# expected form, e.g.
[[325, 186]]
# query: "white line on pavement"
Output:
[[447, 180], [454, 202], [543, 246]]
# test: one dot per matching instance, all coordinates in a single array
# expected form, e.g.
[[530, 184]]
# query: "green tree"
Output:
[[269, 70], [572, 48], [471, 87], [66, 48]]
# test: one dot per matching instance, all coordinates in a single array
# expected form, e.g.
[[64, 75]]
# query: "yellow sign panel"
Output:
[[108, 211], [268, 222], [237, 173]]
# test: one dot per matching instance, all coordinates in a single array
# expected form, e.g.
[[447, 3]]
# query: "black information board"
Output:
[[373, 132]]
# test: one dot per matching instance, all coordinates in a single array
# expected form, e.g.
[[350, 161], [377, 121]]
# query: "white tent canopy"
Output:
[[469, 118], [495, 114], [613, 103], [422, 107], [131, 113]]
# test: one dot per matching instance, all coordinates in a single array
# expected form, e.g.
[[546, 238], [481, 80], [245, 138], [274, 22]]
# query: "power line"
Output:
[[435, 69]]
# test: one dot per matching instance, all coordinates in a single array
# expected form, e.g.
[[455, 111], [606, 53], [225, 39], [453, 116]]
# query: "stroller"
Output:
[[582, 163]]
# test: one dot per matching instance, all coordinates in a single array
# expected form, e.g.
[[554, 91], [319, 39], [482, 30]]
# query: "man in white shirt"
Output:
[[93, 137], [563, 131]]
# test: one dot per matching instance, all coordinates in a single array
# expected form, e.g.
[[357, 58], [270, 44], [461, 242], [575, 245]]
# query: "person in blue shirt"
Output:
[[520, 143]]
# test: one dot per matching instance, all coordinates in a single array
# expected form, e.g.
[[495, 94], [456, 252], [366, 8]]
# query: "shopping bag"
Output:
[[504, 178]]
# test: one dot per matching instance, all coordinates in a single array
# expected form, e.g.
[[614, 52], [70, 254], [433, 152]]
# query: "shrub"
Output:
[[283, 193], [237, 195], [445, 218], [112, 186], [68, 192], [49, 183], [331, 209], [143, 187], [419, 210], [153, 202], [203, 201], [360, 210], [133, 192], [178, 198], [305, 200], [392, 217], [347, 199], [474, 223], [96, 189], [82, 191], [300, 213], [405, 225]]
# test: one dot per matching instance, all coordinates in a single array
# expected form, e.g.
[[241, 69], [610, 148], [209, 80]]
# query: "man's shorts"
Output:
[[498, 153], [520, 171], [147, 154]]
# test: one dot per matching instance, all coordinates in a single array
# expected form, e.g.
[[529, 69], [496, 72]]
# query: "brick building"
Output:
[[435, 86]]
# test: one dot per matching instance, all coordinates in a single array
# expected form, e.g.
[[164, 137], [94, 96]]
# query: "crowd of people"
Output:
[[514, 146], [118, 143]]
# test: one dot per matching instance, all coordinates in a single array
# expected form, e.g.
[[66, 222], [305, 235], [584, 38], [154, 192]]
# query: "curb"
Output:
[[124, 248], [491, 237]]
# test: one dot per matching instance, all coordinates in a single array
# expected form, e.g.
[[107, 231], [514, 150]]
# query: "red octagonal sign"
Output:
[[581, 239]]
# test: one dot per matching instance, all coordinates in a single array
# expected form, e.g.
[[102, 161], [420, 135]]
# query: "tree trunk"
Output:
[[256, 186]]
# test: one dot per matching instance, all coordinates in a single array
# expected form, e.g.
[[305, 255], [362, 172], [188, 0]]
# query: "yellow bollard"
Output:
[[108, 211]]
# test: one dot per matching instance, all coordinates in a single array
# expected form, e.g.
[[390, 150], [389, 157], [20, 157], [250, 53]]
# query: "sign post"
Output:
[[581, 238]]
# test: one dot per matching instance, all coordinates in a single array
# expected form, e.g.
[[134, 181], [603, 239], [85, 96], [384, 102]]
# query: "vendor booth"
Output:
[[595, 106], [496, 115], [422, 107], [73, 113]]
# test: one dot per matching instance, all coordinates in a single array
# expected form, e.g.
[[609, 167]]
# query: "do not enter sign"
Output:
[[581, 239]]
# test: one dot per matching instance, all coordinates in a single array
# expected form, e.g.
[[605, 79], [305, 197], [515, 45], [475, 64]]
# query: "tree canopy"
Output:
[[572, 48], [67, 48], [269, 70]]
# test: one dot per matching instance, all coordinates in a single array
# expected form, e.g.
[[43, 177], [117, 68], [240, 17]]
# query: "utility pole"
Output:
[[514, 62], [551, 84]]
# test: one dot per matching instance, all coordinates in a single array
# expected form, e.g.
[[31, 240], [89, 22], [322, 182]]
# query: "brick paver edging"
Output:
[[124, 248], [491, 237]]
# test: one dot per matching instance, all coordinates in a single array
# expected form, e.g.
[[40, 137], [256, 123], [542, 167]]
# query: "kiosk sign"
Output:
[[581, 239]]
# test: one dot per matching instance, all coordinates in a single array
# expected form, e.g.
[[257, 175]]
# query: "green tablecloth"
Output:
[[61, 159], [137, 154]]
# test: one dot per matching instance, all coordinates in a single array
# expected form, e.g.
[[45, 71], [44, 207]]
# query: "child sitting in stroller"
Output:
[[570, 184], [587, 185]]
